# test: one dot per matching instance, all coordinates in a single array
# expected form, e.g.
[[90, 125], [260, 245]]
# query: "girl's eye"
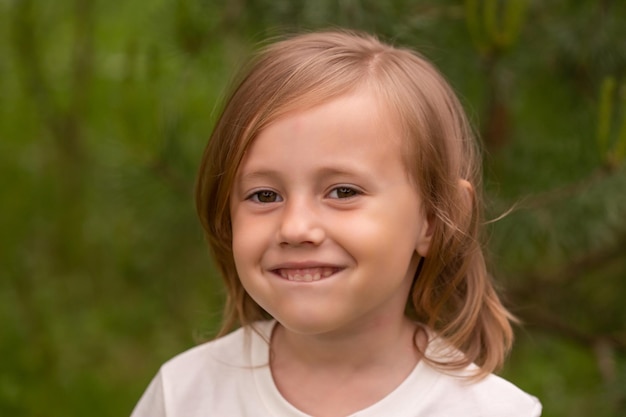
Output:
[[343, 192], [265, 196]]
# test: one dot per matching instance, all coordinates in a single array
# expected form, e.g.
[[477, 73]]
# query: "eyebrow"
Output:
[[324, 172], [258, 174], [327, 172]]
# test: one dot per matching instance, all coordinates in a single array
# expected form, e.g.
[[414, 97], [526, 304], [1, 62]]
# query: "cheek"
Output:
[[246, 255], [386, 228], [241, 245], [250, 238], [377, 240]]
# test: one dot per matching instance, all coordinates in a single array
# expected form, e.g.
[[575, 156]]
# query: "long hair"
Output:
[[452, 292]]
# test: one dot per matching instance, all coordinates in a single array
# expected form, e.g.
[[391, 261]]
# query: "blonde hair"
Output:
[[452, 292]]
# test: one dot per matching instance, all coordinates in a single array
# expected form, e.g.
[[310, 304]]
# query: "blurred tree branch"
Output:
[[546, 198], [64, 124], [534, 287]]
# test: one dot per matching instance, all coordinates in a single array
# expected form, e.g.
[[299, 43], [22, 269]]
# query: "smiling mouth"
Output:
[[306, 274]]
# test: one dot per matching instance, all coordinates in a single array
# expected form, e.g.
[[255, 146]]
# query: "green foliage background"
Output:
[[105, 108]]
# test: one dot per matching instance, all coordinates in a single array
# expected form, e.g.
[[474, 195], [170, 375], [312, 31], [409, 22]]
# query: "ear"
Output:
[[426, 233], [467, 190], [423, 244], [467, 195]]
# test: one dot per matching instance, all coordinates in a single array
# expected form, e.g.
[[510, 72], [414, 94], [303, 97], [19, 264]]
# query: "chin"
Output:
[[307, 326]]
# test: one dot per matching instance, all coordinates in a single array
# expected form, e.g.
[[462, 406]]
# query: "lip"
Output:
[[305, 271]]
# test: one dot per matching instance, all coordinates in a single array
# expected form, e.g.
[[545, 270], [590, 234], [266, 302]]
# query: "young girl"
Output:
[[340, 197]]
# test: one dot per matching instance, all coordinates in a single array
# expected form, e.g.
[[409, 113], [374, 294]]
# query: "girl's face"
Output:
[[327, 227]]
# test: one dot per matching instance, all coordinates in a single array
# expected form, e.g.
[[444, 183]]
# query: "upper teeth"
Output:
[[306, 274]]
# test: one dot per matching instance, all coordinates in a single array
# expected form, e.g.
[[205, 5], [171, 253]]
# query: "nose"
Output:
[[301, 224]]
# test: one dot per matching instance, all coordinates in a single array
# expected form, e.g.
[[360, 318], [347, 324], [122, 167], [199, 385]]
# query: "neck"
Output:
[[384, 343], [350, 371]]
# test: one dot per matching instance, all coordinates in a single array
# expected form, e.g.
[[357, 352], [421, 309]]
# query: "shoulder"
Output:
[[228, 353], [203, 380], [453, 393], [492, 396]]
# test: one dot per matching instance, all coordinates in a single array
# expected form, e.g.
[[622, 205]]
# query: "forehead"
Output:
[[356, 111], [349, 130]]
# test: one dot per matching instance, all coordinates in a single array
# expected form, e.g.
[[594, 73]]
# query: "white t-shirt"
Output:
[[231, 377]]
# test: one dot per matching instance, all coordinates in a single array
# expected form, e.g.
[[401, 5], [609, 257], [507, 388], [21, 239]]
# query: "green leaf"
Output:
[[605, 110]]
